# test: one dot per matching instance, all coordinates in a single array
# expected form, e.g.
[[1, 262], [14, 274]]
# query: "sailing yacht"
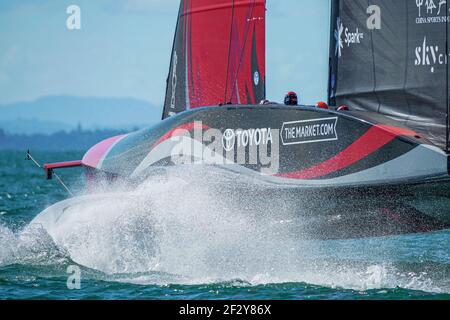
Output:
[[381, 145]]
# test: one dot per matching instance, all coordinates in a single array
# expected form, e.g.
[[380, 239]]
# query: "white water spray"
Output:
[[194, 227]]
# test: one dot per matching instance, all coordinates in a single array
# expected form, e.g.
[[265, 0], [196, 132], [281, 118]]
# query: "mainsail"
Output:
[[390, 57], [218, 55]]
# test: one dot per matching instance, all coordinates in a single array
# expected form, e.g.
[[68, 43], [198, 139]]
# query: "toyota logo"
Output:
[[228, 140]]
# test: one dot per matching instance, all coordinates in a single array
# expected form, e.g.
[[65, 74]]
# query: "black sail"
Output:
[[390, 57]]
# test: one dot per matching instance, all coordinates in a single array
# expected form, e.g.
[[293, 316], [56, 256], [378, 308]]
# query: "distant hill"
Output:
[[34, 126], [55, 113], [74, 140]]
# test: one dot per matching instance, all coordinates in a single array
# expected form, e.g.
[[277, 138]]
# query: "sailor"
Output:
[[322, 105], [343, 108], [266, 102], [291, 99]]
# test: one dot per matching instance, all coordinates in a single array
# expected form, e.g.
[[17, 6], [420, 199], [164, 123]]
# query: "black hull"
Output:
[[337, 174], [324, 213], [345, 212]]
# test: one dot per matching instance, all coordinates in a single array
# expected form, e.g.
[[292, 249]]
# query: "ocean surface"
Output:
[[152, 245]]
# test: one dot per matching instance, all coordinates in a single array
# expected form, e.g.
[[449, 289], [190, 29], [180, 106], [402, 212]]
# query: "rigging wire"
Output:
[[447, 79], [30, 157]]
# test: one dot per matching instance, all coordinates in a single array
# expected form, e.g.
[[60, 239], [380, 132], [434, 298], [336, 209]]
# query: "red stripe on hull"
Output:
[[179, 131], [374, 139], [96, 153]]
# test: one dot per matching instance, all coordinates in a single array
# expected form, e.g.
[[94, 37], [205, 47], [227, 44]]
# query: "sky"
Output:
[[123, 49]]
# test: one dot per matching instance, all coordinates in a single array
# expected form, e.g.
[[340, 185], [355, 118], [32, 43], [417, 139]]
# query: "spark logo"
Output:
[[338, 37], [353, 37], [344, 36]]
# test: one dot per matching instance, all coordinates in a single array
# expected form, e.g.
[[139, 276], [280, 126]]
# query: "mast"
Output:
[[447, 78], [332, 61]]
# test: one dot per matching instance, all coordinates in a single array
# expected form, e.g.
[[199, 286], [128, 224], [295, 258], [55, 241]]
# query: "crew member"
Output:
[[343, 108], [266, 102], [291, 99], [321, 105]]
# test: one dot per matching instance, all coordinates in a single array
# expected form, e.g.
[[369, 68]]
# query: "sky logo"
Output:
[[429, 55]]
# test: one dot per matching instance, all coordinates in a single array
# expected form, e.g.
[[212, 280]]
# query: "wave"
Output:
[[193, 226]]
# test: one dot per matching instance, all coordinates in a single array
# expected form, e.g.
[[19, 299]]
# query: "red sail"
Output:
[[218, 55]]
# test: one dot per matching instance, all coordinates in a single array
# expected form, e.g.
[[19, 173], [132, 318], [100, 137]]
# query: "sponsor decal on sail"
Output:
[[429, 55], [431, 11], [256, 78], [347, 37], [309, 131], [174, 84]]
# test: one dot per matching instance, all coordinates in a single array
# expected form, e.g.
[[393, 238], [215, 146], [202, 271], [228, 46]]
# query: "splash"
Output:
[[199, 225], [30, 246]]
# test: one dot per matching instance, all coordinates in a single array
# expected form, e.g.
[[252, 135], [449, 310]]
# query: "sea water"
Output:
[[177, 238]]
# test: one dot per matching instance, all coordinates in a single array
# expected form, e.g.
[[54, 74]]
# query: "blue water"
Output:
[[151, 245]]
